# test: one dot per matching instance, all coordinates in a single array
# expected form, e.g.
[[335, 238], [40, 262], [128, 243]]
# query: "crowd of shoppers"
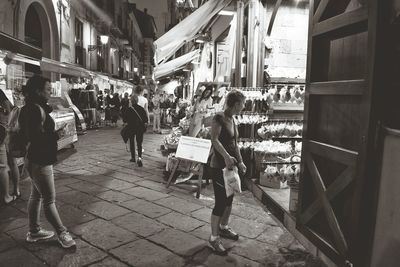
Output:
[[38, 130]]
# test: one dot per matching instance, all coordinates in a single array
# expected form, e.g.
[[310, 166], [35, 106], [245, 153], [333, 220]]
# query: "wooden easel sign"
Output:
[[195, 150]]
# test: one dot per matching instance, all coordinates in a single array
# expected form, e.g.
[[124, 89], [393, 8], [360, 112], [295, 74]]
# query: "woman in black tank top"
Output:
[[225, 154]]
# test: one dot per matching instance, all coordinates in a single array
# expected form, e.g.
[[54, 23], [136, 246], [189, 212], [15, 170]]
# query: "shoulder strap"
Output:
[[42, 113], [140, 118]]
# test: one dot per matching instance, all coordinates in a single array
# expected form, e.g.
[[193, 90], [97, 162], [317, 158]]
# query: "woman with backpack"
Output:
[[38, 128], [136, 118]]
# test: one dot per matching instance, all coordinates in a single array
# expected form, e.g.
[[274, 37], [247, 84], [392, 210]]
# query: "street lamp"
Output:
[[104, 39]]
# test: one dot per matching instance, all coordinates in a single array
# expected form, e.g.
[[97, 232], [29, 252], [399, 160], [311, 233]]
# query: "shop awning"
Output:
[[186, 30], [175, 64], [169, 88], [63, 68], [7, 42]]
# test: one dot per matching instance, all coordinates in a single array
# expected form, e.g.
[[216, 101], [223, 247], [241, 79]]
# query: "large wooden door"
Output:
[[339, 126]]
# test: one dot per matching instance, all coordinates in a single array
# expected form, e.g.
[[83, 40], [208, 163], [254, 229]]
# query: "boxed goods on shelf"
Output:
[[280, 174]]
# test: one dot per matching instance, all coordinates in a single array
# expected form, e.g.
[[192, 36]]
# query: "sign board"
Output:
[[194, 149]]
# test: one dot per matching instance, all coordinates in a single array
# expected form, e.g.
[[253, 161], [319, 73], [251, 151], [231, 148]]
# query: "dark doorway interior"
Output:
[[33, 34]]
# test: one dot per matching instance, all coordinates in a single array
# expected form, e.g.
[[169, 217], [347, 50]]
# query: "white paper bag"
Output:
[[232, 181]]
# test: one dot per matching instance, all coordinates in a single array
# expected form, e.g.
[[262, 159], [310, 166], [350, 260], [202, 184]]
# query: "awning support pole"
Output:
[[239, 43]]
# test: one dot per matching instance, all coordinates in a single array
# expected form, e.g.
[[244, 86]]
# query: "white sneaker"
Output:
[[66, 240], [41, 235]]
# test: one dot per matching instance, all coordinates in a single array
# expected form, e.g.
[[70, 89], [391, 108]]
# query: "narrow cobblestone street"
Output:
[[122, 215]]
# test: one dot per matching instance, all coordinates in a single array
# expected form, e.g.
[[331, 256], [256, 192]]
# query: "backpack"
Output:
[[17, 143]]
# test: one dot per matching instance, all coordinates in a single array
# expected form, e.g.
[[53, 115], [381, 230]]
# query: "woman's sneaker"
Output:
[[139, 162], [227, 232], [41, 235], [217, 247], [66, 240]]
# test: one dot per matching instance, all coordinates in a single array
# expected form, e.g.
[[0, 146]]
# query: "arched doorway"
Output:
[[38, 34], [33, 34]]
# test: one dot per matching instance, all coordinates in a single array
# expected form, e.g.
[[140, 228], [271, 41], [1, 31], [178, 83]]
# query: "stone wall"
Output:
[[288, 42]]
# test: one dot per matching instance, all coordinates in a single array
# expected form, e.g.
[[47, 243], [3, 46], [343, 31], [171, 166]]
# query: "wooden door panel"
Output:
[[337, 124], [330, 119], [347, 58], [344, 87], [345, 55], [326, 9]]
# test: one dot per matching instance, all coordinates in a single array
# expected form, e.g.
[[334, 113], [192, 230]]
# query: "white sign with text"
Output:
[[194, 149]]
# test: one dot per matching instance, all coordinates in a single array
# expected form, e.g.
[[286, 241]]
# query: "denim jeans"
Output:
[[42, 188]]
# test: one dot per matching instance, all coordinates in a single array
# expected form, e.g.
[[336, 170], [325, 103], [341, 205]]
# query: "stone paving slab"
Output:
[[80, 172], [116, 184], [179, 242], [109, 262], [248, 212], [258, 251], [11, 218], [62, 189], [180, 221], [247, 228], [203, 214], [128, 177], [6, 242], [104, 234], [145, 193], [114, 196], [84, 254], [178, 204], [65, 181], [160, 187], [71, 216], [139, 224], [276, 236], [21, 258], [146, 254], [76, 198], [207, 258], [146, 208], [88, 188], [96, 179], [202, 232], [105, 210]]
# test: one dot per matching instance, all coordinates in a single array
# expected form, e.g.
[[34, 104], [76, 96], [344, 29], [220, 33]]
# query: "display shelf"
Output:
[[280, 196], [287, 107], [287, 80], [287, 138]]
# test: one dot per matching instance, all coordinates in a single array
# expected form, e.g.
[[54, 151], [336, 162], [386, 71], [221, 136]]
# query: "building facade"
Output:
[[148, 28], [72, 31]]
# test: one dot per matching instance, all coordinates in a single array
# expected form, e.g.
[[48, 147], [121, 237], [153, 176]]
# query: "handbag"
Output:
[[125, 133]]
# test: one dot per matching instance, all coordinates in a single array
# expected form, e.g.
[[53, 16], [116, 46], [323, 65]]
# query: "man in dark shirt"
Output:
[[136, 118]]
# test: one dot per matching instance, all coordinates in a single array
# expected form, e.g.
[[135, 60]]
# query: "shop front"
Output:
[[318, 157]]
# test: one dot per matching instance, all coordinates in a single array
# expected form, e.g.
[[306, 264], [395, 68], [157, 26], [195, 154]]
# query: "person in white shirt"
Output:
[[156, 112], [142, 101]]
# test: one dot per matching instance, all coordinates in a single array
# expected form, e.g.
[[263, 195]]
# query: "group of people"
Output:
[[115, 105], [38, 129]]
